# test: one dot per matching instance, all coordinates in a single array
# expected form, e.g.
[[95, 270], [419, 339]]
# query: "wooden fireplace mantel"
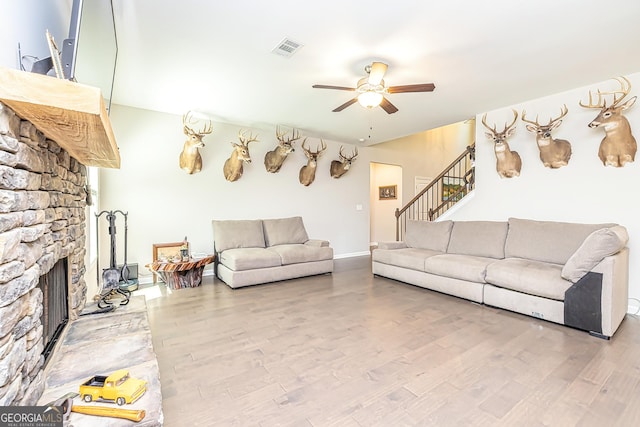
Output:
[[71, 114]]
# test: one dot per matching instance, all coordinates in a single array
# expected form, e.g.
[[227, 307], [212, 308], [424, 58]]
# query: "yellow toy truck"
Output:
[[118, 387]]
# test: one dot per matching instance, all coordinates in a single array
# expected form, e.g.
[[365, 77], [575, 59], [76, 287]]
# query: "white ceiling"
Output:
[[215, 57]]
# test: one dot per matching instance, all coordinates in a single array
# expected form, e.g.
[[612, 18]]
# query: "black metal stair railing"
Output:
[[447, 189]]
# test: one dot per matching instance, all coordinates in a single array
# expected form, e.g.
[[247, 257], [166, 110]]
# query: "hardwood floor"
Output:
[[350, 349]]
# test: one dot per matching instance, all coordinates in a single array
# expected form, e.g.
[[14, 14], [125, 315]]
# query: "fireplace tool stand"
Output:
[[110, 291]]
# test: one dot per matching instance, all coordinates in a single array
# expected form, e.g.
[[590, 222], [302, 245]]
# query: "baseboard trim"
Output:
[[352, 254]]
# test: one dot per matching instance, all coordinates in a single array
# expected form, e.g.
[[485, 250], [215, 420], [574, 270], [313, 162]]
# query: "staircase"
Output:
[[447, 189]]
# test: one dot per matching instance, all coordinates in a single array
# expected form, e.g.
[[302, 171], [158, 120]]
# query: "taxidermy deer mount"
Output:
[[340, 167], [274, 159], [554, 153], [233, 166], [618, 147], [508, 163], [308, 172], [190, 158]]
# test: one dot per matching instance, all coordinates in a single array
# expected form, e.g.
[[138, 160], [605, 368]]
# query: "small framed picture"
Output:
[[387, 192], [166, 252], [452, 188]]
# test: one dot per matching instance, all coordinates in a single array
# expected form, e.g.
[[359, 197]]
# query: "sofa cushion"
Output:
[[463, 267], [284, 230], [428, 235], [411, 258], [530, 277], [234, 233], [249, 258], [478, 238], [546, 241], [297, 253], [598, 245]]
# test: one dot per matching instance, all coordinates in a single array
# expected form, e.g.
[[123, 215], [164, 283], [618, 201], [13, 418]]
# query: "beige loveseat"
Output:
[[250, 252], [567, 273]]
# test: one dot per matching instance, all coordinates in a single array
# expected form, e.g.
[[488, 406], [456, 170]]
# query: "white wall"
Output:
[[425, 153], [165, 203], [583, 191], [383, 219], [26, 22]]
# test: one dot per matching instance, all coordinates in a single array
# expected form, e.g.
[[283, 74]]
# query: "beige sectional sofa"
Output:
[[251, 252], [567, 273]]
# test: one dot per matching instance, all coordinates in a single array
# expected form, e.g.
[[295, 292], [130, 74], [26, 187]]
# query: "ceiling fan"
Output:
[[371, 89]]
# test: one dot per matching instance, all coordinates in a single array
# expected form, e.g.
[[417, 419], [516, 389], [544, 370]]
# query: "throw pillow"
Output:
[[598, 245]]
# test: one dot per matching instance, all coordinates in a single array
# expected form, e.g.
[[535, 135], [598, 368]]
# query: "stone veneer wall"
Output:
[[42, 220]]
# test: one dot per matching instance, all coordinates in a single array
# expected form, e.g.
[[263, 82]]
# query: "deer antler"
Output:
[[318, 149], [244, 140], [536, 124], [563, 112], [625, 88], [506, 127], [354, 154], [280, 135], [187, 121], [515, 117], [484, 123]]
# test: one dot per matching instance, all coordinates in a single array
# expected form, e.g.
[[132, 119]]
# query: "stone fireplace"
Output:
[[42, 221]]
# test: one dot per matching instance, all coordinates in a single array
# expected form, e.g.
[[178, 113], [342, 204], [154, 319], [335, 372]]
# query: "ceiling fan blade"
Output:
[[377, 73], [345, 105], [333, 87], [387, 106], [424, 87]]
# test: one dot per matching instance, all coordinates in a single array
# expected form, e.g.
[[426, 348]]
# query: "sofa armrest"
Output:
[[317, 242], [392, 245], [598, 301], [615, 290]]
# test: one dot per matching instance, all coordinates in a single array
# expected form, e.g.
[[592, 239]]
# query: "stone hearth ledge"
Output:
[[99, 344]]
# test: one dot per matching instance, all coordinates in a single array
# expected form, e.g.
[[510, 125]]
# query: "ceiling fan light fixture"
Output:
[[370, 99]]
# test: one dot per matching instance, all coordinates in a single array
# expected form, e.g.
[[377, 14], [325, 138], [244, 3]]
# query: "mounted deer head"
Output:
[[508, 163], [308, 172], [618, 147], [554, 153], [340, 167], [233, 166], [274, 159], [190, 159]]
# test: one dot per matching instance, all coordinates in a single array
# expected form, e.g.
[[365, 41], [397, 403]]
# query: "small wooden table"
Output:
[[179, 275]]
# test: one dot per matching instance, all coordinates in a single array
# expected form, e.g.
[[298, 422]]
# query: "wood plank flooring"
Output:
[[350, 349]]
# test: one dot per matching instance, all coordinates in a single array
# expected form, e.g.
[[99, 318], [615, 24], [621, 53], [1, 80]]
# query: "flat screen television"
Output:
[[89, 53]]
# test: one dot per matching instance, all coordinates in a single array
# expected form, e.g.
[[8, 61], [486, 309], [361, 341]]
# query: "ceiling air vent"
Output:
[[287, 48]]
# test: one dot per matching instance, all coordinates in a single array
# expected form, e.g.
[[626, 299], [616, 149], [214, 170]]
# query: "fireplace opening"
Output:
[[55, 313]]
